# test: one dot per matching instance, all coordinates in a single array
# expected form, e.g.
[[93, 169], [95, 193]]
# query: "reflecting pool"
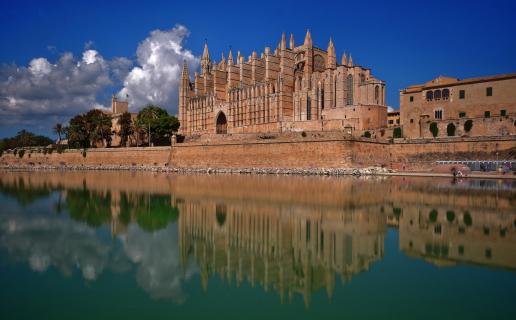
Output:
[[135, 245]]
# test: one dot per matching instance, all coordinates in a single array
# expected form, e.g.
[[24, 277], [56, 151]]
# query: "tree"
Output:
[[450, 130], [58, 129], [88, 129], [367, 134], [160, 124], [25, 138], [126, 128], [434, 129], [396, 133]]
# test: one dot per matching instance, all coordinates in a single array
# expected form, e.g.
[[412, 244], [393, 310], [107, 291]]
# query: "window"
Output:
[[462, 94], [446, 94], [411, 98], [322, 99], [411, 120], [462, 114], [437, 94], [376, 93], [503, 113], [487, 114], [308, 108], [398, 121], [438, 114], [429, 96], [489, 91], [350, 90], [391, 121]]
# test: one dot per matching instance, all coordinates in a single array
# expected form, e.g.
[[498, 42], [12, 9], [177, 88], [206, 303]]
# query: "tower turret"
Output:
[[292, 44], [331, 62], [308, 39], [205, 60], [344, 60]]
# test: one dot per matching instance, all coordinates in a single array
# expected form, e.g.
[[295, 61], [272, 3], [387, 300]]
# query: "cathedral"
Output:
[[290, 88]]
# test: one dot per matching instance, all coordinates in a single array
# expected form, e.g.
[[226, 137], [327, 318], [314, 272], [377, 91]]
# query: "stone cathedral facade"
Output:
[[290, 88]]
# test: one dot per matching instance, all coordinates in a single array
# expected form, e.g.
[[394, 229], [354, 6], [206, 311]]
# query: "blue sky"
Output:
[[404, 42]]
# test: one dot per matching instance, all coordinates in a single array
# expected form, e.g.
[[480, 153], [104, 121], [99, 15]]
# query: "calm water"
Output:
[[149, 246]]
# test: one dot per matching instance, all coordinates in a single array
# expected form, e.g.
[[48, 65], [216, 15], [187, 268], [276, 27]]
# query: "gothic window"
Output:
[[376, 93], [350, 90], [446, 94], [335, 92], [318, 63], [437, 94], [322, 99], [308, 108], [429, 96], [362, 78], [438, 114]]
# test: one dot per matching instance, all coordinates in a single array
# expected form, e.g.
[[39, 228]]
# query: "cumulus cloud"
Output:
[[45, 92], [156, 78]]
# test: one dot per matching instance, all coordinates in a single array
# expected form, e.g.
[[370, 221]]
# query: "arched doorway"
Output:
[[222, 124]]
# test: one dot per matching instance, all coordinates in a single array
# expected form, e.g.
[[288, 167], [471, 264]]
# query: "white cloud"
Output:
[[46, 92], [156, 79]]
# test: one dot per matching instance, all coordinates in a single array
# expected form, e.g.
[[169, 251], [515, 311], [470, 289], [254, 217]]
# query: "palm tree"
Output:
[[58, 129]]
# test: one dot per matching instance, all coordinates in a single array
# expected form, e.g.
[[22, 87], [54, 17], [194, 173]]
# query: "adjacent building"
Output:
[[290, 88], [484, 106], [393, 119]]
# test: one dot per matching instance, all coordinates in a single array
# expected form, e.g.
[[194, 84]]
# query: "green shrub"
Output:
[[21, 153], [60, 149], [434, 129], [1, 152], [367, 134], [468, 125], [450, 216], [396, 133], [433, 215], [84, 153], [44, 150], [450, 130], [50, 150], [15, 151]]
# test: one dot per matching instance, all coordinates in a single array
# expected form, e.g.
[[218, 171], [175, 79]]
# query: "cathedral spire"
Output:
[[205, 60], [283, 44], [332, 57], [308, 39], [184, 72], [238, 56], [230, 57], [292, 45], [222, 64], [350, 61], [344, 60]]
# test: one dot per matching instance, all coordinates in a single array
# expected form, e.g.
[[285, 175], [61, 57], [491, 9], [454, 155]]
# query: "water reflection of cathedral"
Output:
[[288, 249]]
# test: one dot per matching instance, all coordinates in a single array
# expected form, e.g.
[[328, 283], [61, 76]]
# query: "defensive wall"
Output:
[[304, 151]]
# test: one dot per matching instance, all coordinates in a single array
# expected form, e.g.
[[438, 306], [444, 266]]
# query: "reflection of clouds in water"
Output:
[[157, 256], [55, 241], [47, 241]]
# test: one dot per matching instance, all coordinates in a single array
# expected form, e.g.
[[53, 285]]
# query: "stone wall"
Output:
[[94, 157], [311, 151]]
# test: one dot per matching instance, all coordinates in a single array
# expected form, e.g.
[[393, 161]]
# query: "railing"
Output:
[[484, 165]]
